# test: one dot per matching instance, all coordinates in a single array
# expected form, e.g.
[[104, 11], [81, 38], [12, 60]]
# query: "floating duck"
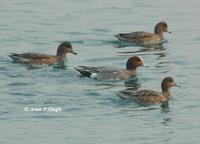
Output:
[[109, 73], [143, 38], [38, 58], [150, 96]]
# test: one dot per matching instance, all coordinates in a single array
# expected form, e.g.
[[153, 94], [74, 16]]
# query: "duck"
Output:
[[110, 73], [39, 58], [143, 38], [148, 96]]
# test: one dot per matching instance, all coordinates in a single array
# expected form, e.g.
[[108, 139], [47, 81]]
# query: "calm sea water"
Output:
[[91, 112]]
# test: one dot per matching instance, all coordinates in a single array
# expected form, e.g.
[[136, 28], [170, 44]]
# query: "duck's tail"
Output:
[[117, 36], [14, 56], [120, 37], [124, 94], [84, 72], [18, 58]]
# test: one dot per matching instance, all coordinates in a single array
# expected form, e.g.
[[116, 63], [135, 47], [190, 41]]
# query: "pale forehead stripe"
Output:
[[141, 58]]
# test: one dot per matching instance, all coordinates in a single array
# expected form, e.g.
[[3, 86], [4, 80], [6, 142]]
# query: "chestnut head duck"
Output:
[[38, 58], [109, 73], [150, 96], [141, 37]]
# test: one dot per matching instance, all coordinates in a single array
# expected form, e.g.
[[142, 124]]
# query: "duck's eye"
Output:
[[138, 60], [164, 25]]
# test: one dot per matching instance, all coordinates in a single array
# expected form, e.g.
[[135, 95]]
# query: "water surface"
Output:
[[91, 110]]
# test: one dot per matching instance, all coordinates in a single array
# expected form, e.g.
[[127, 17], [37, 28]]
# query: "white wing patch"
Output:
[[93, 75]]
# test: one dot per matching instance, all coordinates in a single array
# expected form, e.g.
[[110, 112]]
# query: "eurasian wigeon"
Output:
[[150, 96], [109, 73], [38, 58], [143, 38]]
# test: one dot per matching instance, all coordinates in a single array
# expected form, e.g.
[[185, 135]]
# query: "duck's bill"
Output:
[[73, 52], [144, 65], [176, 85]]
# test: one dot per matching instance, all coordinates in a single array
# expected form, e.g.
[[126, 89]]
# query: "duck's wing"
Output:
[[88, 71], [109, 73], [27, 57], [138, 36], [143, 96], [30, 55], [99, 73], [139, 93]]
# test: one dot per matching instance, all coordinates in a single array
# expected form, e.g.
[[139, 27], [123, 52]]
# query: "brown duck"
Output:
[[38, 58], [141, 37], [109, 73], [150, 96]]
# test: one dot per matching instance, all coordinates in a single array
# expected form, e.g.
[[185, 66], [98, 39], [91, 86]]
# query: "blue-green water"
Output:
[[91, 112]]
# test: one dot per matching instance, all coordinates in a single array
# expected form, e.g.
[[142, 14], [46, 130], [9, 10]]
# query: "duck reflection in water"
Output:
[[133, 83], [122, 44]]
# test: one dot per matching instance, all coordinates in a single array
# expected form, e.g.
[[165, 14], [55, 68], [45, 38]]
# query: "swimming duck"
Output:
[[109, 73], [38, 58], [150, 96], [141, 37]]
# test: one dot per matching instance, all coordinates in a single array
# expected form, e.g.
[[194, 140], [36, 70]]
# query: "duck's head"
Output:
[[167, 83], [65, 48], [134, 62], [160, 28]]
